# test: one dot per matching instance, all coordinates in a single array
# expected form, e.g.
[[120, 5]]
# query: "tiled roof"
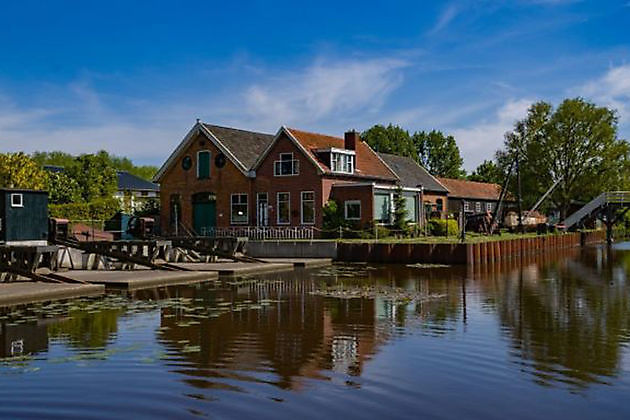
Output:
[[129, 182], [460, 188], [368, 164], [411, 174], [246, 146]]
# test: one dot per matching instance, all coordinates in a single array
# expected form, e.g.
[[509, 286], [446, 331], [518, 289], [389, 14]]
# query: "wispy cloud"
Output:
[[447, 15], [479, 141], [326, 89], [612, 89]]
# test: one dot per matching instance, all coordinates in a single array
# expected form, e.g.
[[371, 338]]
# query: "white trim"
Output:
[[345, 209], [336, 150], [209, 163], [478, 207], [488, 206], [21, 199], [258, 194], [295, 141], [232, 222], [294, 163], [302, 207], [375, 185], [278, 207]]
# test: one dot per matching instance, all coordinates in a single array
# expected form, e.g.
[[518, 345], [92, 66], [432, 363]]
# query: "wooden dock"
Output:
[[140, 279], [236, 268], [301, 262], [25, 292]]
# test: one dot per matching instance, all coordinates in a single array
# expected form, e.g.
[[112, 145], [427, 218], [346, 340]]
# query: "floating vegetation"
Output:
[[421, 265], [393, 294]]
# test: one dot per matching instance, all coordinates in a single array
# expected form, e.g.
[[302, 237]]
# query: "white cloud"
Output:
[[446, 16], [612, 90], [323, 90], [479, 141]]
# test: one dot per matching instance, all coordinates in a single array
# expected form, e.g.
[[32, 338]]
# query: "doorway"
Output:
[[262, 209], [204, 213]]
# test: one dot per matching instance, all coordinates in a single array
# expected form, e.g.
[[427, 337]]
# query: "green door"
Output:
[[204, 217]]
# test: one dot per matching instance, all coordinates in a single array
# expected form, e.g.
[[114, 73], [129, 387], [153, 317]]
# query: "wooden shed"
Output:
[[23, 216]]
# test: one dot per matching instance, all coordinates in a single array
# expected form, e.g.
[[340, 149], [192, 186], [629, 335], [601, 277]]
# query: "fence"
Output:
[[260, 233]]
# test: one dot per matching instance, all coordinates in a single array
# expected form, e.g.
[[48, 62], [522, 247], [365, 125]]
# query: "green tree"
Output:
[[391, 139], [576, 144], [18, 170], [400, 210], [55, 158], [439, 154], [62, 189], [95, 175], [487, 171]]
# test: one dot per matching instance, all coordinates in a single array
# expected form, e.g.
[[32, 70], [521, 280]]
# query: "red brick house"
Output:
[[222, 177], [476, 197]]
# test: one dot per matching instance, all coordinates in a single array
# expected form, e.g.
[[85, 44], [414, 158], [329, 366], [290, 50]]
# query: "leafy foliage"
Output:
[[487, 171], [150, 207], [400, 210], [18, 170], [391, 139], [100, 209], [333, 217], [95, 176], [439, 154], [576, 144], [62, 189], [441, 227]]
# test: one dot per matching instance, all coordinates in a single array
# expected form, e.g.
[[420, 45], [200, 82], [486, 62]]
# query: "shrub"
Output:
[[100, 209], [438, 227]]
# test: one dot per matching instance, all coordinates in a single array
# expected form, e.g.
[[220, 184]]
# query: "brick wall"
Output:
[[222, 182], [307, 180], [362, 193]]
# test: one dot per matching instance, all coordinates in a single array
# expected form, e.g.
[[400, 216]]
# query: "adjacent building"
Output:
[[475, 197], [221, 177]]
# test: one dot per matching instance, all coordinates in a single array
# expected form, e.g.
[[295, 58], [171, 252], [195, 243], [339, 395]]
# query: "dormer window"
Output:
[[342, 162], [286, 166]]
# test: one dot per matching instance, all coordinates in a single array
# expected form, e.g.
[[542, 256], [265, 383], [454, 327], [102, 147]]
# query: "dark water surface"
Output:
[[545, 339]]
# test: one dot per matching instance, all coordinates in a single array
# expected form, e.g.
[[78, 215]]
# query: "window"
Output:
[[262, 215], [478, 207], [466, 206], [17, 200], [286, 166], [488, 206], [308, 207], [203, 164], [382, 208], [352, 210], [238, 214], [411, 208], [284, 208], [341, 162], [439, 204]]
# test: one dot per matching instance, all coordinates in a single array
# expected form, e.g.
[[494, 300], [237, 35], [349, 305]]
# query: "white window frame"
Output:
[[278, 222], [343, 158], [488, 206], [345, 209], [302, 207], [258, 201], [209, 163], [295, 165], [21, 204], [232, 210], [466, 206], [478, 207]]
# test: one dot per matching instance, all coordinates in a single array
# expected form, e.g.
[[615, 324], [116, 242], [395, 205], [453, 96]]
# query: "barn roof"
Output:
[[130, 182], [461, 188], [411, 174]]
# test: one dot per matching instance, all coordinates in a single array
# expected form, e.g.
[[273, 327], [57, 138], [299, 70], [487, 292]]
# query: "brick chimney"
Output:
[[351, 138]]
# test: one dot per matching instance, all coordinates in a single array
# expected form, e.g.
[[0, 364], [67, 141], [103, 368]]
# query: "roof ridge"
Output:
[[235, 129]]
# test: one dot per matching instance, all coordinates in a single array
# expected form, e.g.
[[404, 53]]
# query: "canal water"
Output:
[[547, 338]]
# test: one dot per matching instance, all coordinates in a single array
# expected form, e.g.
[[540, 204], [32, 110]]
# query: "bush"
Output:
[[100, 209], [438, 227]]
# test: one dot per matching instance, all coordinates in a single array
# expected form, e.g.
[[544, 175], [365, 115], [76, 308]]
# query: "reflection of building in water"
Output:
[[22, 339], [344, 352]]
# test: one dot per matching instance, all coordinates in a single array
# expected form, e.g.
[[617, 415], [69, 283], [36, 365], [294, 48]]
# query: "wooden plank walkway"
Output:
[[237, 268], [140, 279], [25, 292]]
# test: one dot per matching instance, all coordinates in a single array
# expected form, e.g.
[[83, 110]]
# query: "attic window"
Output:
[[342, 162], [17, 200]]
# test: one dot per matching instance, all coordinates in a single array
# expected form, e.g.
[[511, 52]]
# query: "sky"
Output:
[[131, 77]]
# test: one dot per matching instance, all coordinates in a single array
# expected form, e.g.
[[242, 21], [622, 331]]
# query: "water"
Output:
[[545, 339]]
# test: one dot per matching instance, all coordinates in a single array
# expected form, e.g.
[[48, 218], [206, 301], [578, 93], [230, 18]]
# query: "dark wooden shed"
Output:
[[23, 215]]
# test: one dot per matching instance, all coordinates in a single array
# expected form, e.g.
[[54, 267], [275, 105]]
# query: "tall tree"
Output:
[[18, 170], [391, 139], [576, 144], [62, 189], [439, 154], [95, 175], [487, 171]]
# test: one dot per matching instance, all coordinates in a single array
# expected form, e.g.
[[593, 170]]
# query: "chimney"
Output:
[[351, 138]]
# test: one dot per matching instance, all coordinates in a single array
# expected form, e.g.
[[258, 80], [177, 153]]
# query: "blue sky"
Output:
[[131, 77]]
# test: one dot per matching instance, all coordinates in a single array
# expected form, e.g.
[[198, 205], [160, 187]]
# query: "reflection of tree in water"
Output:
[[566, 317], [85, 330]]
